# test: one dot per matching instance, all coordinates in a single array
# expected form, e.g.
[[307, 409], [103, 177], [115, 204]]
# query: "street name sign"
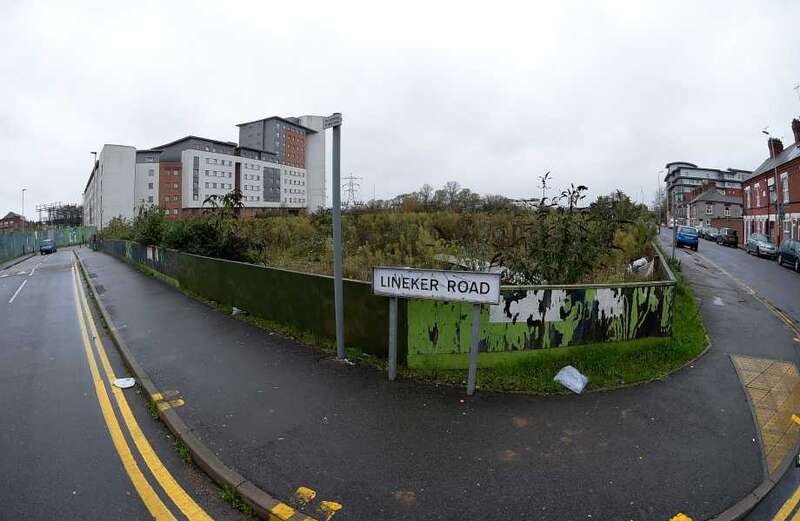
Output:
[[334, 120], [460, 286]]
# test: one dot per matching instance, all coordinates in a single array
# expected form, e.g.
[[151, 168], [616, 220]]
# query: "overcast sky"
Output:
[[490, 94]]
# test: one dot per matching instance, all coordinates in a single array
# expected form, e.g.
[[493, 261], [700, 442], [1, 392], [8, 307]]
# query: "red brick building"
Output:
[[12, 222], [771, 194]]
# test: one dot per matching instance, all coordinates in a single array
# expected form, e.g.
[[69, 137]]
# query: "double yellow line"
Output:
[[172, 489]]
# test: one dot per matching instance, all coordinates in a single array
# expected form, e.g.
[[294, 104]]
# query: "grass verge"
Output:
[[608, 365]]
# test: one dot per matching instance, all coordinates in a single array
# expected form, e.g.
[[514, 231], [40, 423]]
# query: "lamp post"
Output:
[[334, 121]]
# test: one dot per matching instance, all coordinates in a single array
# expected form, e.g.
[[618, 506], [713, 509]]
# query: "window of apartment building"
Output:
[[166, 198], [758, 196], [150, 186], [174, 211], [208, 185], [208, 160], [785, 185], [149, 198], [727, 211], [176, 198], [151, 173], [709, 209], [213, 185]]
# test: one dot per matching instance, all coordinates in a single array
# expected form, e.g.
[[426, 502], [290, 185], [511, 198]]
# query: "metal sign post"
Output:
[[477, 288], [392, 338], [335, 121]]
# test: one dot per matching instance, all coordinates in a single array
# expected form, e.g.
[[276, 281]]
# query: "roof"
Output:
[[13, 215], [713, 196], [91, 175], [149, 151], [789, 153], [285, 120], [217, 141]]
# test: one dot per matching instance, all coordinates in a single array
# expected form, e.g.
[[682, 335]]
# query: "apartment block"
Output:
[[278, 163], [684, 179]]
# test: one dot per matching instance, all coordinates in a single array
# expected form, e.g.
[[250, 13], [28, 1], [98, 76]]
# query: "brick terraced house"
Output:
[[772, 192]]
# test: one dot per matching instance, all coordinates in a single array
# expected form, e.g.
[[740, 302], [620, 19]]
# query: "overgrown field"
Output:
[[552, 242]]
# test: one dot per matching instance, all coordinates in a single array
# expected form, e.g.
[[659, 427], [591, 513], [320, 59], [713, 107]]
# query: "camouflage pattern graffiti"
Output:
[[542, 318]]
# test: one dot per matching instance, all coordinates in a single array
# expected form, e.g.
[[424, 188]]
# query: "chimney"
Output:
[[775, 146], [796, 130]]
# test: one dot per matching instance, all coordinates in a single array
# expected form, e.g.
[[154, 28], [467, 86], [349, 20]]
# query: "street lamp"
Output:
[[778, 203], [334, 121]]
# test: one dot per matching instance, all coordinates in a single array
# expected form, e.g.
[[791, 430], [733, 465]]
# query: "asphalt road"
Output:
[[779, 285], [286, 416], [58, 459]]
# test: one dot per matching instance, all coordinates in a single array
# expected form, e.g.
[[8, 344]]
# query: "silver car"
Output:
[[760, 245]]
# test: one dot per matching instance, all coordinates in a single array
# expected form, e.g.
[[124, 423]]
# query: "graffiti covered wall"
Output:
[[542, 318]]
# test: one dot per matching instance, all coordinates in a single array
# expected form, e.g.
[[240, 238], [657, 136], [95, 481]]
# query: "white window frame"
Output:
[[785, 186]]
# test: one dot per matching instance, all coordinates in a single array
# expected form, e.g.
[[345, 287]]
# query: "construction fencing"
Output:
[[17, 244]]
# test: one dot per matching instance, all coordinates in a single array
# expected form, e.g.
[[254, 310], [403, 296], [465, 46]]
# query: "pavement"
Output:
[[287, 416], [58, 458], [780, 286]]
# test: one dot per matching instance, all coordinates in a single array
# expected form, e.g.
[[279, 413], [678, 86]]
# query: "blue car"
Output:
[[47, 246], [686, 236]]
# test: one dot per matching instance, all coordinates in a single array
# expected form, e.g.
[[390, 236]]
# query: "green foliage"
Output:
[[607, 365], [548, 241], [232, 497]]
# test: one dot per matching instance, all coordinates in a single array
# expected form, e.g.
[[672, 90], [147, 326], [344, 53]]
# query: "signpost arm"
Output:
[[392, 338], [337, 242], [473, 349]]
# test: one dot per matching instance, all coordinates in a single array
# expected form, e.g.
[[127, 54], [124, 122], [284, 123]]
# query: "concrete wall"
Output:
[[117, 174], [145, 186], [315, 162]]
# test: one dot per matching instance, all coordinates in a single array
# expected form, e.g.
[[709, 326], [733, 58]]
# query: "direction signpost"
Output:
[[477, 288]]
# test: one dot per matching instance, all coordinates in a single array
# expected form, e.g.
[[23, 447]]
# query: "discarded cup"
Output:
[[124, 383], [572, 379]]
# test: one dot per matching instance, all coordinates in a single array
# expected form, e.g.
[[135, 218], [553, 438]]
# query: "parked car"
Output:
[[789, 253], [760, 244], [686, 236], [47, 246], [728, 237], [710, 233]]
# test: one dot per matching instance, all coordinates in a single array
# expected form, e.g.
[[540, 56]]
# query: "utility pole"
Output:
[[778, 202], [335, 121]]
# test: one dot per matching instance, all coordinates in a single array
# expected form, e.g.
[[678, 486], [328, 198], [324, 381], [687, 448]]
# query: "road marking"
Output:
[[787, 507], [304, 495], [184, 502], [329, 508], [151, 500], [17, 292], [34, 269], [772, 307], [680, 517], [163, 406]]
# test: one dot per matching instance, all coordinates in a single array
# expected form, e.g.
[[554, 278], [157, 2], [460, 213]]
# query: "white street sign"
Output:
[[333, 120], [461, 286]]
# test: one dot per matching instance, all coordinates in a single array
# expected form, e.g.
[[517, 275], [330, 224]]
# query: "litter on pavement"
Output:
[[124, 383], [237, 311], [572, 379]]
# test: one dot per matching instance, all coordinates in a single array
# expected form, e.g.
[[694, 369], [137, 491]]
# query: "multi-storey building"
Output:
[[708, 204], [12, 222], [278, 163], [772, 192], [684, 178]]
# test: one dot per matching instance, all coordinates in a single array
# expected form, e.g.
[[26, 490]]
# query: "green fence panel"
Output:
[[303, 301]]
